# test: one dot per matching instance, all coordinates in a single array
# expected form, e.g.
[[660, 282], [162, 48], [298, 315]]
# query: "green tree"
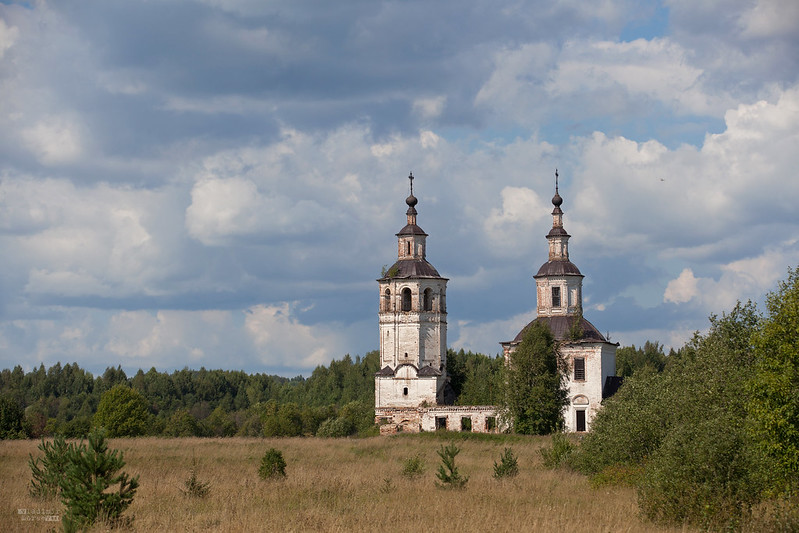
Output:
[[123, 412], [774, 387], [48, 471], [93, 487], [630, 359], [12, 419], [448, 472], [535, 385]]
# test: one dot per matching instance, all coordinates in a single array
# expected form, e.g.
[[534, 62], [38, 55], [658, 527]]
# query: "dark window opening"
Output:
[[428, 299], [555, 296], [491, 423], [441, 422], [409, 248], [579, 369], [580, 420], [387, 301], [406, 299], [405, 391], [466, 423]]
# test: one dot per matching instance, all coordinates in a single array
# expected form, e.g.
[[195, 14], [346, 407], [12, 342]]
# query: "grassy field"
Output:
[[336, 485]]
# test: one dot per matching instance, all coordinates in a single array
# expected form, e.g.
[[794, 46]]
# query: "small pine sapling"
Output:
[[47, 471], [93, 487], [272, 465], [193, 487], [508, 465], [447, 471]]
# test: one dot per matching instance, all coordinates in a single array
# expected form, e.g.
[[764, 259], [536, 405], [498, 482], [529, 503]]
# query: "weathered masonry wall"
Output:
[[478, 419]]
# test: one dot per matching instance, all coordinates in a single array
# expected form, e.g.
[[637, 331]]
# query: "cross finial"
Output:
[[410, 177], [556, 181]]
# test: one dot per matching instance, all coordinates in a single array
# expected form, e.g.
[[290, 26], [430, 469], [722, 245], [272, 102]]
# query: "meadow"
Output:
[[337, 485]]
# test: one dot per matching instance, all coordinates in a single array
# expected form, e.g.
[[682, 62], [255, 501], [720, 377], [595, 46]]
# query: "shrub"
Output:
[[88, 488], [194, 487], [12, 419], [447, 471], [508, 465], [560, 454], [272, 465], [336, 427], [413, 467], [47, 471]]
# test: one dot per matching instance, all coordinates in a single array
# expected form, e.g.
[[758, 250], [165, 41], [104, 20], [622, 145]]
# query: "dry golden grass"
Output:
[[338, 485]]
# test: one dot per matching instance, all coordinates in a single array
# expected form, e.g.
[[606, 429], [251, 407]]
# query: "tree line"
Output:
[[335, 399]]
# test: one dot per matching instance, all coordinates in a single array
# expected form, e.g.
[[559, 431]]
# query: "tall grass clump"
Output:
[[413, 467], [560, 453]]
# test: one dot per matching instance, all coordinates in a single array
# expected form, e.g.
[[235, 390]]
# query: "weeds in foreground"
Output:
[[413, 467], [447, 471], [560, 453]]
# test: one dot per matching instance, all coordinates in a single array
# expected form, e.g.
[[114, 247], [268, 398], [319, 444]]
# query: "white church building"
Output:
[[411, 383]]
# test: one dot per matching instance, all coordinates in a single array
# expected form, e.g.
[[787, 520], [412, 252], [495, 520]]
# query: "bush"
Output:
[[12, 420], [560, 454], [413, 467], [508, 465], [447, 471], [272, 465], [88, 488], [704, 473], [47, 471], [336, 427]]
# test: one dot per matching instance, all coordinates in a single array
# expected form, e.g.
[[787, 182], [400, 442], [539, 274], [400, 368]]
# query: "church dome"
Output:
[[558, 268]]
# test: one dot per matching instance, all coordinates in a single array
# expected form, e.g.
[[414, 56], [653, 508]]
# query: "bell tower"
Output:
[[413, 323]]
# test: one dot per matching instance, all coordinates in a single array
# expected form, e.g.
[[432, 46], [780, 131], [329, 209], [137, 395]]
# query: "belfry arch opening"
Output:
[[406, 299], [428, 299]]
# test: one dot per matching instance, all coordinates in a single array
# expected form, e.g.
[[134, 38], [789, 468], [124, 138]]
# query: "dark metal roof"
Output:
[[428, 371], [385, 371], [560, 326], [557, 231], [558, 268], [411, 229], [412, 268]]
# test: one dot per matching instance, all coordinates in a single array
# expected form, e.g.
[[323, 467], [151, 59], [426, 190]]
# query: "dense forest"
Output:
[[334, 400]]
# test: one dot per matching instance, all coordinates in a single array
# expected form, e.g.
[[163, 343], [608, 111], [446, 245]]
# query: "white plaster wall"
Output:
[[596, 366]]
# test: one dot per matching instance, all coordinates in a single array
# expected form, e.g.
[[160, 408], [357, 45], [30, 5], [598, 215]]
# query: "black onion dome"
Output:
[[561, 327], [557, 200], [411, 200], [558, 268]]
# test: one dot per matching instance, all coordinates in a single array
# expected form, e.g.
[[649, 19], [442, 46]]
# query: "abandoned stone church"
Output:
[[411, 385]]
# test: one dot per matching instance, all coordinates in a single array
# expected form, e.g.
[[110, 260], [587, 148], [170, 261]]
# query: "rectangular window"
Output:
[[466, 423], [491, 423], [579, 369], [555, 296], [580, 420]]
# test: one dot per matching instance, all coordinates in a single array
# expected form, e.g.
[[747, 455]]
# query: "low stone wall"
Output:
[[476, 418]]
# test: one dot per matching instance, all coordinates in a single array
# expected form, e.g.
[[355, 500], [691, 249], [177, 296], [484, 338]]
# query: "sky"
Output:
[[218, 183]]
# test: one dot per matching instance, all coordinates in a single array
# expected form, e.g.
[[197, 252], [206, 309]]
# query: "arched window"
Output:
[[387, 300], [406, 299], [428, 299], [409, 248], [442, 301]]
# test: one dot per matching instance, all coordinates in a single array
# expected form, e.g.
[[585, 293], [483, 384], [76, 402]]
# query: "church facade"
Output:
[[411, 387], [590, 358]]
